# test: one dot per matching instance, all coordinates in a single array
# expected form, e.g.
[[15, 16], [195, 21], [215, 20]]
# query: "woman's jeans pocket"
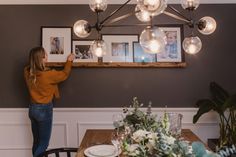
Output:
[[41, 112]]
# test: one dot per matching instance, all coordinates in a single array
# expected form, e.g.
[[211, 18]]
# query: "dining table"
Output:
[[103, 136]]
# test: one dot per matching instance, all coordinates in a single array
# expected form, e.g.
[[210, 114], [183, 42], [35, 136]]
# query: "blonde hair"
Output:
[[36, 63]]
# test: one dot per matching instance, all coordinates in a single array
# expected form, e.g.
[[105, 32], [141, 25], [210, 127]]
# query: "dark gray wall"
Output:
[[114, 87]]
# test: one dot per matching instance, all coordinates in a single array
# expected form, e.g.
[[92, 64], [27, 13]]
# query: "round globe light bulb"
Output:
[[208, 25], [154, 45], [192, 49], [98, 48], [142, 15], [98, 51], [82, 28], [152, 2], [98, 1], [154, 7], [153, 40], [190, 4], [192, 45], [98, 5]]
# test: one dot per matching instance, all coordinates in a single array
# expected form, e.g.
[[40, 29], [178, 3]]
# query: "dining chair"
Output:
[[57, 152]]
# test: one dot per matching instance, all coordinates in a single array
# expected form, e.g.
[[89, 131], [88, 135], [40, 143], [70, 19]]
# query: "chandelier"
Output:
[[152, 39]]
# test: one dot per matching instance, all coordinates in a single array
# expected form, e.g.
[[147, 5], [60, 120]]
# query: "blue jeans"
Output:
[[41, 125]]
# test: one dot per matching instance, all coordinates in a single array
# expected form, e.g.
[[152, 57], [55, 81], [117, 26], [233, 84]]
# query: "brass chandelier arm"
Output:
[[178, 13], [109, 24], [130, 25], [99, 25], [176, 17], [114, 12], [121, 17]]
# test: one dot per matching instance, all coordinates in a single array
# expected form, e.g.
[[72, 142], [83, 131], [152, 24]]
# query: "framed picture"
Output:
[[57, 42], [119, 47], [173, 50], [81, 49], [141, 56]]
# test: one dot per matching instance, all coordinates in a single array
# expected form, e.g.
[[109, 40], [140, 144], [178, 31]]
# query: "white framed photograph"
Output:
[[81, 49], [173, 49], [119, 47], [57, 42]]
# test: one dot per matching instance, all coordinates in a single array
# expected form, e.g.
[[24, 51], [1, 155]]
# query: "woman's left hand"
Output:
[[71, 57]]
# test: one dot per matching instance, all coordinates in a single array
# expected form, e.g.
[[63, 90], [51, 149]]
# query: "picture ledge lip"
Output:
[[64, 2]]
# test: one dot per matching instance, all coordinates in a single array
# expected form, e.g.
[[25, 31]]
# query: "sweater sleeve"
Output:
[[60, 75]]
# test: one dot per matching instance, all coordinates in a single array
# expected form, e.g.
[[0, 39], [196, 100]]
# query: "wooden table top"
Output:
[[103, 136]]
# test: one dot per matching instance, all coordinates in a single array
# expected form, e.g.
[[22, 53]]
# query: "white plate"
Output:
[[101, 151]]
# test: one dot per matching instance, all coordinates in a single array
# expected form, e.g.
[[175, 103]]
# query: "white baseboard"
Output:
[[70, 124]]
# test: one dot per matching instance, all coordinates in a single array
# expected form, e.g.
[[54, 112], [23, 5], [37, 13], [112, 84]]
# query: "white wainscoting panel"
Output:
[[70, 124]]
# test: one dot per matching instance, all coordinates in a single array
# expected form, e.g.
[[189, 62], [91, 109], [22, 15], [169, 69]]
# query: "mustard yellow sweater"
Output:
[[46, 86]]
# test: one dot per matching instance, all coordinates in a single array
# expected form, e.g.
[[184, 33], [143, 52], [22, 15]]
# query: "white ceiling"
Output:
[[5, 2]]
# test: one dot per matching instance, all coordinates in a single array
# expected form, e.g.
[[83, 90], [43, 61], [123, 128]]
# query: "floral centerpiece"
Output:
[[145, 136]]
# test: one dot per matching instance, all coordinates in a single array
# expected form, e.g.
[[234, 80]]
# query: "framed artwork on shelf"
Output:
[[122, 50], [142, 57], [81, 49], [57, 43], [119, 47], [173, 49]]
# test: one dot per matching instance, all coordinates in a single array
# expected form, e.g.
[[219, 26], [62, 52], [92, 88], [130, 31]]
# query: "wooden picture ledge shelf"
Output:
[[122, 65]]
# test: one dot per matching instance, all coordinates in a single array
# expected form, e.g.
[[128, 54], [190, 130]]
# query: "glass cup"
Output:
[[117, 120], [116, 140], [175, 120]]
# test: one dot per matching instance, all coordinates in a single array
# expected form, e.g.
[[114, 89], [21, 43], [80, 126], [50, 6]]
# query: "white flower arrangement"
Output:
[[144, 136]]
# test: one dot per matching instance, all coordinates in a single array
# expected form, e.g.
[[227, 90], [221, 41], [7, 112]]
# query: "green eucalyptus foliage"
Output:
[[139, 119]]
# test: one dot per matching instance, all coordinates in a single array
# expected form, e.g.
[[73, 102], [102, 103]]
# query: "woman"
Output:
[[42, 84]]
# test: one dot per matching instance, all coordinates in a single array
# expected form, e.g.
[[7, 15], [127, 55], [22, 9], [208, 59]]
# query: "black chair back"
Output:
[[57, 152]]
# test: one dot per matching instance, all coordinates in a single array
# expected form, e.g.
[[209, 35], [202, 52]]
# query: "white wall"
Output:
[[70, 125]]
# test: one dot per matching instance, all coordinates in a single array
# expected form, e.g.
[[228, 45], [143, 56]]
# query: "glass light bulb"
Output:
[[98, 48], [192, 45], [142, 15], [81, 28], [98, 51], [190, 4], [209, 25], [98, 1], [152, 2], [154, 7], [153, 40], [154, 45], [98, 5]]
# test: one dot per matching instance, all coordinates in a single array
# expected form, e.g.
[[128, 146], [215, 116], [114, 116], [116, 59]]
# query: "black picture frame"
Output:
[[81, 49]]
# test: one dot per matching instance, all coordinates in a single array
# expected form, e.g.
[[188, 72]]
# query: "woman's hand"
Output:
[[71, 57]]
